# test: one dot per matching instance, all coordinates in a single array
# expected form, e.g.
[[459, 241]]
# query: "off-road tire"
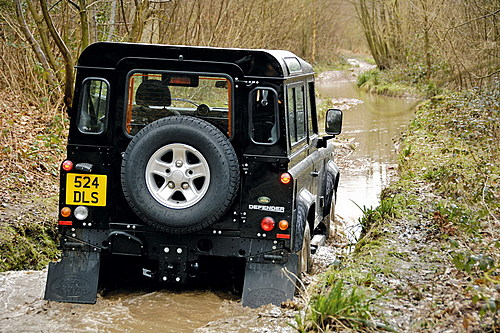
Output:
[[329, 209]]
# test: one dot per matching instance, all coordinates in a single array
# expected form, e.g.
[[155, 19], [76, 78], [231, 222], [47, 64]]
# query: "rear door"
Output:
[[264, 194]]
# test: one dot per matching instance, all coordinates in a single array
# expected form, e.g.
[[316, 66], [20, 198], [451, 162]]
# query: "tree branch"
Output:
[[475, 19]]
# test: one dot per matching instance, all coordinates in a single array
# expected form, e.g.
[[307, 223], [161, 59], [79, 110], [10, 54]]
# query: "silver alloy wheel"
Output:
[[177, 176]]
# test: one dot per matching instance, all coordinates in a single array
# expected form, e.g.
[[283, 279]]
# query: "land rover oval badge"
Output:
[[264, 200]]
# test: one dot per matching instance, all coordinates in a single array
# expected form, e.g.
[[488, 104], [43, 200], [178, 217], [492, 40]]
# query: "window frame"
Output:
[[311, 104], [84, 88], [251, 104], [293, 86]]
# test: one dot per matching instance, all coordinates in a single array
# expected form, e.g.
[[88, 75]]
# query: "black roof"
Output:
[[253, 62]]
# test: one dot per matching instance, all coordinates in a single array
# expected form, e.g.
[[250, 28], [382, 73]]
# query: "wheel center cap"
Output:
[[177, 176]]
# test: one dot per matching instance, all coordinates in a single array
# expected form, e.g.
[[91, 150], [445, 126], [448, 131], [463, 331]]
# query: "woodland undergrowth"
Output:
[[32, 146]]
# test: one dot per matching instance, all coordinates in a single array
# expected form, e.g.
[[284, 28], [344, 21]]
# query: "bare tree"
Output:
[[52, 80]]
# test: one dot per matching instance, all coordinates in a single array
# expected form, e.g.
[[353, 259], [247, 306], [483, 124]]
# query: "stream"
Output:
[[371, 123]]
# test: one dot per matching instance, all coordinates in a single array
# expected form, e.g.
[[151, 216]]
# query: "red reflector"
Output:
[[65, 222], [267, 223], [285, 178], [67, 165], [284, 236]]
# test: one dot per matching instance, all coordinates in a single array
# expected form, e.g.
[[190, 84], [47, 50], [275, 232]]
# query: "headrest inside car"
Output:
[[153, 93]]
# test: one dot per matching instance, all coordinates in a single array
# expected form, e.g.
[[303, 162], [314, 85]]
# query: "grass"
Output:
[[32, 146], [338, 307], [28, 241], [397, 82], [336, 65]]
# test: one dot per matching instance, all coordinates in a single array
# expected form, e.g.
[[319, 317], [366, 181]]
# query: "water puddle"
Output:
[[22, 309]]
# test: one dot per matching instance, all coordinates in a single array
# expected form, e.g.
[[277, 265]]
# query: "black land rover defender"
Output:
[[181, 154]]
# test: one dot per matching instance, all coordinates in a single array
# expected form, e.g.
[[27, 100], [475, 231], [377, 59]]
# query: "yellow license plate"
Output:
[[89, 190]]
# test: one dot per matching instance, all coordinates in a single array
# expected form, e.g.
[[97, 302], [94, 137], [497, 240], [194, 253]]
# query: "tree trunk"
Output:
[[112, 18], [40, 55], [68, 60], [84, 24]]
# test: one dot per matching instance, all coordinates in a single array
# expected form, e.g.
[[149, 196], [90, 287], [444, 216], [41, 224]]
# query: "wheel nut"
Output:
[[178, 163], [185, 186], [171, 184]]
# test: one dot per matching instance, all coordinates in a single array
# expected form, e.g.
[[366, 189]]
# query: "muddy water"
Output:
[[22, 309], [372, 123]]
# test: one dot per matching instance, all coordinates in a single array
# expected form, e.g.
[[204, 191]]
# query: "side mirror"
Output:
[[333, 122]]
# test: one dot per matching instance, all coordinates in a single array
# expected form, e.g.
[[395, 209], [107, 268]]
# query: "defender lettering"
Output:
[[267, 208]]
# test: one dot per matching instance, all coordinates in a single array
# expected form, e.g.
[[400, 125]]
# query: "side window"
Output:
[[292, 129], [94, 106], [311, 103], [296, 114], [263, 108], [300, 111]]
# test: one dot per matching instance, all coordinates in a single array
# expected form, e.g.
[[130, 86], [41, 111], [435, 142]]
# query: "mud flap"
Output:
[[74, 278], [267, 283]]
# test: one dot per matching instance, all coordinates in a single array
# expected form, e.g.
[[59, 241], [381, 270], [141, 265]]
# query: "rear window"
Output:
[[155, 95], [94, 106]]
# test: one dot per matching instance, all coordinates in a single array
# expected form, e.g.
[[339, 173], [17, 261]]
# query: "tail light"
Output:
[[65, 211], [67, 165], [267, 223], [81, 212], [285, 178], [283, 225]]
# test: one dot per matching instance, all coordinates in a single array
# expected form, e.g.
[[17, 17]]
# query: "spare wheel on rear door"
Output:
[[180, 174]]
